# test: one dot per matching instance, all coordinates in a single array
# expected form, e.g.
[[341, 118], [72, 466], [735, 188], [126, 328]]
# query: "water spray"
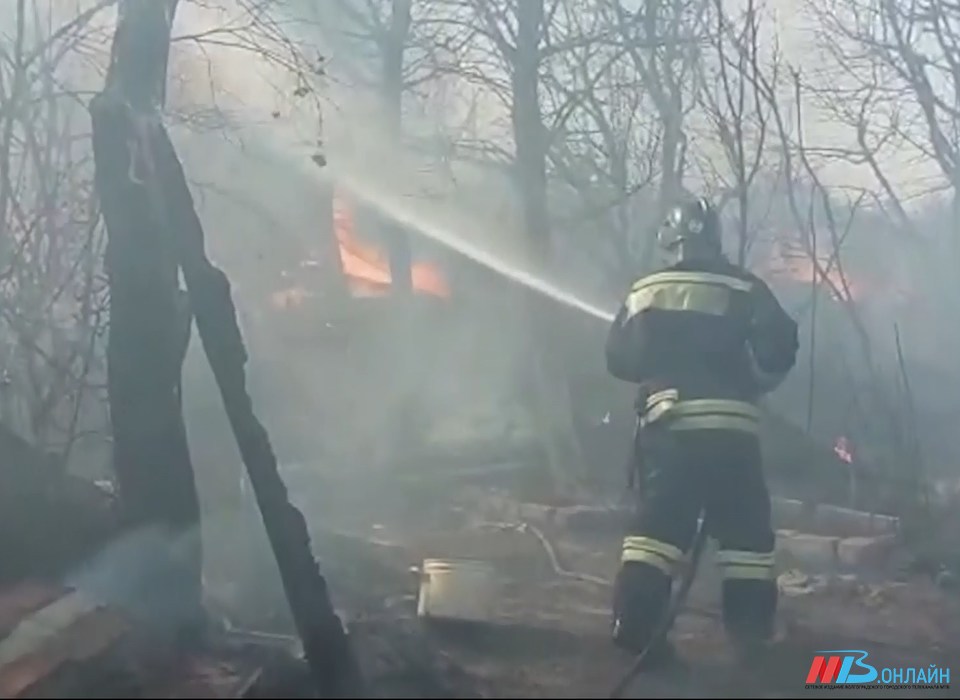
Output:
[[408, 217], [406, 213]]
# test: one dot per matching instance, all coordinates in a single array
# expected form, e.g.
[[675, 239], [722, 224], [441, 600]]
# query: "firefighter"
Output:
[[704, 339]]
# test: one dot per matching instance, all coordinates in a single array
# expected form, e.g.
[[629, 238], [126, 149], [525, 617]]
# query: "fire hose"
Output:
[[677, 602]]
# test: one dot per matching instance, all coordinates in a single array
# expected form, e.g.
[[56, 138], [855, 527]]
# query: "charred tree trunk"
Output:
[[149, 323], [325, 641], [154, 233]]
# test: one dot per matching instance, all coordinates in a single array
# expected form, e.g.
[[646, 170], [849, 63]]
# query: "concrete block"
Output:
[[592, 519], [536, 513], [865, 552], [806, 551], [790, 514], [886, 524], [846, 522]]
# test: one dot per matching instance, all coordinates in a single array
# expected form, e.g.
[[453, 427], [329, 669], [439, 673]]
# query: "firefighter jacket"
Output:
[[704, 340]]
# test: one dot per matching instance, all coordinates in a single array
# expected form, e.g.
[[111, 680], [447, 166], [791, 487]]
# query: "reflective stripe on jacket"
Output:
[[704, 292]]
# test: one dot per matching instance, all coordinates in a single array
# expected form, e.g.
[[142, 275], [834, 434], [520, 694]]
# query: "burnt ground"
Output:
[[550, 638]]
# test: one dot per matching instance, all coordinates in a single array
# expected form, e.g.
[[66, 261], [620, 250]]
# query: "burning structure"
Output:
[[366, 267]]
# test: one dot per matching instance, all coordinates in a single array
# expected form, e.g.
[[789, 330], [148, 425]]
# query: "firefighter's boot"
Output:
[[641, 597]]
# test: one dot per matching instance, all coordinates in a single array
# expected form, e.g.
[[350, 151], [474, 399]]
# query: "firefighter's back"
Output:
[[697, 319], [704, 339]]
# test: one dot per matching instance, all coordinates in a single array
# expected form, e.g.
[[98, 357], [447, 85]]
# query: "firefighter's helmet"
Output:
[[692, 227]]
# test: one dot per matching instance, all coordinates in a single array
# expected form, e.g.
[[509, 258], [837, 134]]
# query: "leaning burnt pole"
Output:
[[136, 162]]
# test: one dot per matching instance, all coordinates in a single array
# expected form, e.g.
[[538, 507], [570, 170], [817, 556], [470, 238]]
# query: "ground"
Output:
[[550, 635]]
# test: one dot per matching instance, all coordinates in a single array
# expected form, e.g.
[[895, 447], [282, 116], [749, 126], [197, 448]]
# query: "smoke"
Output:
[[132, 573], [339, 389]]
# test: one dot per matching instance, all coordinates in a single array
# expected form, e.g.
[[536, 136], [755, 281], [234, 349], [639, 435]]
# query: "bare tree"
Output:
[[509, 50], [155, 234], [824, 217], [507, 57], [736, 113], [663, 40], [381, 31], [52, 291], [518, 35], [603, 143], [895, 81]]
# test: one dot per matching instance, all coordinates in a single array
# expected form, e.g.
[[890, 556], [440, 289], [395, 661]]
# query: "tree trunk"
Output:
[[332, 280], [394, 45], [154, 232], [551, 385], [529, 133], [149, 321], [407, 378], [324, 639]]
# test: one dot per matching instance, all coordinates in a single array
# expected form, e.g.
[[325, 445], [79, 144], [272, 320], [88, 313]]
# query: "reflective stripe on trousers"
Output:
[[647, 550], [742, 565], [700, 414]]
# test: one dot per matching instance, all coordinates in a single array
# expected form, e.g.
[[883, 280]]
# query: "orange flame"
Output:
[[366, 267], [843, 449]]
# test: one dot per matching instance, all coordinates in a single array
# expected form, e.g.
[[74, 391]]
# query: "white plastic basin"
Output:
[[457, 589]]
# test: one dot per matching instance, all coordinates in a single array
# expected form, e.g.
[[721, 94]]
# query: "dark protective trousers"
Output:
[[683, 472]]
